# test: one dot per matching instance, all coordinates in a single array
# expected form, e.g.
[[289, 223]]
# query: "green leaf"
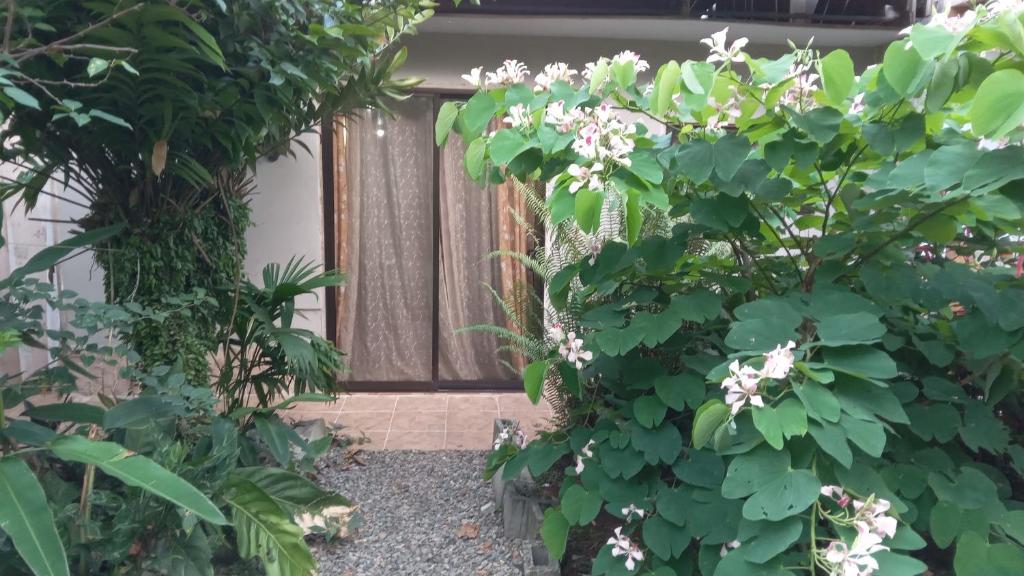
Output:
[[275, 434], [982, 429], [787, 496], [792, 418], [760, 335], [707, 420], [67, 412], [264, 530], [680, 390], [26, 519], [736, 564], [902, 68], [138, 471], [869, 436], [579, 506], [291, 491], [599, 75], [976, 557], [767, 422], [649, 411], [970, 489], [664, 538], [22, 97], [730, 152], [96, 66], [474, 158], [819, 401], [750, 472], [845, 329], [862, 361], [645, 165], [932, 41], [554, 531], [939, 421], [999, 104], [837, 76], [773, 539], [666, 86], [662, 444], [476, 115], [892, 564], [696, 160], [446, 118], [944, 523], [533, 379], [832, 440], [588, 209], [141, 411], [49, 256], [506, 145]]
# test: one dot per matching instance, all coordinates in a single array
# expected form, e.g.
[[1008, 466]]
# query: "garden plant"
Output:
[[816, 369]]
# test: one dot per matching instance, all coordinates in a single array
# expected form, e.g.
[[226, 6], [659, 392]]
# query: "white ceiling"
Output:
[[651, 28]]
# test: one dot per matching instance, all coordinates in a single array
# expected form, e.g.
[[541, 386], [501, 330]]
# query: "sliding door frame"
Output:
[[328, 136]]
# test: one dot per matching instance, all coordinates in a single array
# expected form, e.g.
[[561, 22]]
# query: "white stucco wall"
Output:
[[287, 220]]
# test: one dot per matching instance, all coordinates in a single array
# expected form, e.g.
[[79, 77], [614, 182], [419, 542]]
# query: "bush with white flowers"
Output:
[[816, 368]]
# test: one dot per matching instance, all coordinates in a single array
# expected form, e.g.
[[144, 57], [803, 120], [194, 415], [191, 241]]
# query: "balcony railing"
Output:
[[835, 12]]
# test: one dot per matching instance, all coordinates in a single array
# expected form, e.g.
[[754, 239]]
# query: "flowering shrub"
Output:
[[817, 367]]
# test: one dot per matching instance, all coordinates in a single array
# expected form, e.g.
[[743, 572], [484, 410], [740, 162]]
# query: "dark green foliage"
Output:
[[865, 221]]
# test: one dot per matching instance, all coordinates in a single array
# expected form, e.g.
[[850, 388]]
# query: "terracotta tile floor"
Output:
[[427, 421]]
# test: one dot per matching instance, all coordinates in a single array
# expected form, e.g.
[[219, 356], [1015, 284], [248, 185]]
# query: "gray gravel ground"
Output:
[[413, 505]]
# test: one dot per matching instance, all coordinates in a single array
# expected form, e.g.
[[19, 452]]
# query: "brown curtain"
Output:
[[385, 221], [474, 223], [385, 216]]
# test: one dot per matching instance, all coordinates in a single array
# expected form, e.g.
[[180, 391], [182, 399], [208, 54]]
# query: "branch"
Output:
[[58, 44], [907, 229], [9, 26]]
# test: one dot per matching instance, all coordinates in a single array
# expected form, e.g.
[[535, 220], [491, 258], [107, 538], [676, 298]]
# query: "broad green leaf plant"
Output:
[[151, 483], [832, 384]]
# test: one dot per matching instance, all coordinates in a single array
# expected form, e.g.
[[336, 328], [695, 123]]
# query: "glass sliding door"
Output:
[[385, 244], [416, 237]]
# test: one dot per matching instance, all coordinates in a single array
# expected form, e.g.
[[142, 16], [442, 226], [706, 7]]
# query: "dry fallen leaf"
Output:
[[487, 545], [159, 157], [468, 530]]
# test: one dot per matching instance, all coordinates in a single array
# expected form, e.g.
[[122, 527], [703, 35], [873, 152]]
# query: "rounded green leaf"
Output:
[[999, 104], [709, 417], [554, 531], [837, 76]]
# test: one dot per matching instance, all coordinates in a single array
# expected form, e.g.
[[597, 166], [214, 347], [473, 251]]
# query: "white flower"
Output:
[[510, 72], [585, 176], [871, 515], [623, 546], [556, 333], [475, 77], [719, 53], [563, 121], [836, 493], [518, 116], [595, 249], [585, 452], [586, 140], [801, 93], [855, 560], [551, 74], [639, 64], [572, 350], [990, 144], [631, 510], [729, 546], [857, 107], [726, 114], [779, 362], [741, 386]]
